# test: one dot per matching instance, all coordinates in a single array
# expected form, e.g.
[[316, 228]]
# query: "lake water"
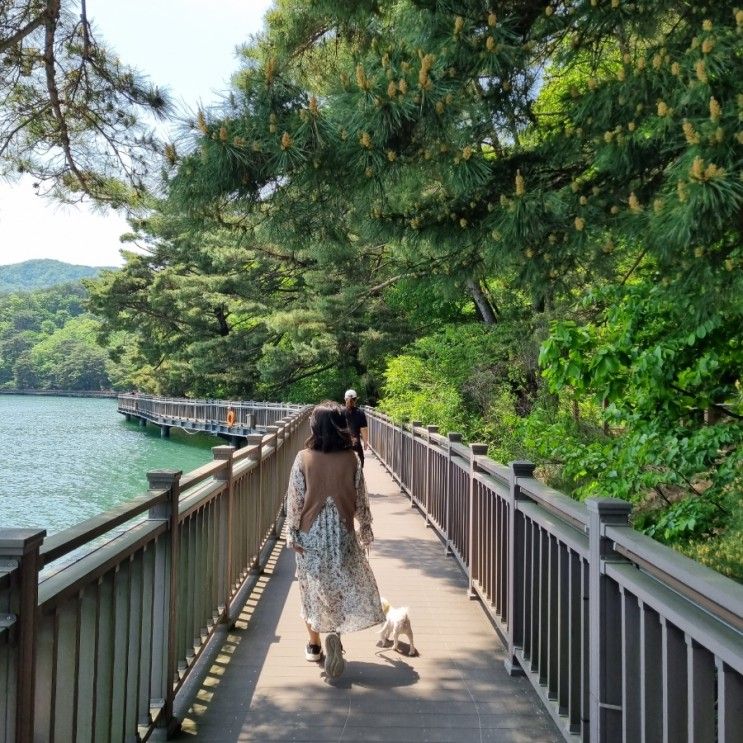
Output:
[[64, 459]]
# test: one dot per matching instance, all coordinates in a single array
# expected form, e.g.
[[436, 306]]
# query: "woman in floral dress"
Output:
[[326, 492]]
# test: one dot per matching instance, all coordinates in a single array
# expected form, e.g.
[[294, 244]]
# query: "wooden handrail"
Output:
[[65, 541]]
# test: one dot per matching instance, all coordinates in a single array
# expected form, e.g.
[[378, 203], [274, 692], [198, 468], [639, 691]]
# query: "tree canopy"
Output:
[[72, 115], [523, 218]]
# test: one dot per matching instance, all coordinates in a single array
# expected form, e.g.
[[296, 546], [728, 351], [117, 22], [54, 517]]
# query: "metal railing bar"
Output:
[[198, 498], [717, 636], [501, 473], [561, 505], [243, 452], [243, 466], [74, 577], [718, 594], [462, 451], [267, 450], [439, 441], [194, 477], [569, 535], [63, 542]]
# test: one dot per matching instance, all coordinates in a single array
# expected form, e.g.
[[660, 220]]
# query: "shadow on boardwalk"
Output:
[[260, 688]]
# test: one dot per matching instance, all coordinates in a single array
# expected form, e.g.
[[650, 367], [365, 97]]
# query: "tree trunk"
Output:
[[484, 307]]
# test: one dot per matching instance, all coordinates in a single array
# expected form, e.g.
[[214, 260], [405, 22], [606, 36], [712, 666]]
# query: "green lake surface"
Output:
[[65, 459]]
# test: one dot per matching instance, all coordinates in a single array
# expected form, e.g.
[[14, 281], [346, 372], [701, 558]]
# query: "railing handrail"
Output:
[[574, 512], [711, 590], [206, 401], [63, 542], [699, 580]]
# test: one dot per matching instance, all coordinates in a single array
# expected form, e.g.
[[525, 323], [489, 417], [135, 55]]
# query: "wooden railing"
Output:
[[623, 638], [98, 649]]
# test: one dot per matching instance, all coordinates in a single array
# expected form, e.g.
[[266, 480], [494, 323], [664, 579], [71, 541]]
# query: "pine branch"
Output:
[[29, 28]]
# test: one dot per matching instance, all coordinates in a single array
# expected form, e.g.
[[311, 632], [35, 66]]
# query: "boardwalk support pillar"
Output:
[[164, 432], [604, 622]]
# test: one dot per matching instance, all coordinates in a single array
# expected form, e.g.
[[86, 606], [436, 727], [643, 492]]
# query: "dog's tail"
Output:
[[385, 604]]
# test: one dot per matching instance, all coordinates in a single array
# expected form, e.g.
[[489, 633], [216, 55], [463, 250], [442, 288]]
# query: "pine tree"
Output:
[[72, 116]]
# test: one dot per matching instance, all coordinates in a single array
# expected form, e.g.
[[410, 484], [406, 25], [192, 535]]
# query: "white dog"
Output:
[[396, 624]]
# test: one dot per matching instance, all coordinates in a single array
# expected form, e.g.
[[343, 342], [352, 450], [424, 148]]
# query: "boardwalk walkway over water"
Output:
[[260, 688]]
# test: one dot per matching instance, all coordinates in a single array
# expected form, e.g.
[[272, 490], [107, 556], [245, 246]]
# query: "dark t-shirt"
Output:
[[356, 421]]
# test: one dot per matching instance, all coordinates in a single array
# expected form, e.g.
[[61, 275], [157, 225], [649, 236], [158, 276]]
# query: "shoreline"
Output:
[[64, 393]]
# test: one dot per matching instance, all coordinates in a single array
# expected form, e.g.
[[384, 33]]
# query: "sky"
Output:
[[186, 46]]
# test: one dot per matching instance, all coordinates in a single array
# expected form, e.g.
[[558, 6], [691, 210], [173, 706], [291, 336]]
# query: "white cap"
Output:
[[350, 394]]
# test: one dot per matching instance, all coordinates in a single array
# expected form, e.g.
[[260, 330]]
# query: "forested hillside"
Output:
[[48, 341], [41, 274]]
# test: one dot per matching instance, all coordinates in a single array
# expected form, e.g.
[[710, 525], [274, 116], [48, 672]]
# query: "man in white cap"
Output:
[[357, 424]]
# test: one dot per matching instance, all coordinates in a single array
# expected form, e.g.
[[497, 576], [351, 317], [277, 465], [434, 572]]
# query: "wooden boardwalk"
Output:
[[260, 688]]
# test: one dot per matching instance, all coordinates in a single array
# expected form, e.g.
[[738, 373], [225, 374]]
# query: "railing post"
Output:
[[281, 436], [255, 441], [427, 494], [604, 623], [454, 438], [476, 450], [404, 460], [269, 493], [167, 591], [413, 425], [19, 551], [225, 454], [515, 571]]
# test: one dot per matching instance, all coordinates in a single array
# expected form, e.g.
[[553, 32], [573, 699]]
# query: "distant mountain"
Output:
[[41, 274]]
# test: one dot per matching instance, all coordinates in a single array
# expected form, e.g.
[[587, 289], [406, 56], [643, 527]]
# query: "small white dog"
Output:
[[396, 624]]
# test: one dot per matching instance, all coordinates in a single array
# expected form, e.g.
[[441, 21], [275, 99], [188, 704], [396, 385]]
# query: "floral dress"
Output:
[[337, 588]]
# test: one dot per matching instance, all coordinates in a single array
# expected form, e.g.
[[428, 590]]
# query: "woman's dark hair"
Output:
[[329, 428]]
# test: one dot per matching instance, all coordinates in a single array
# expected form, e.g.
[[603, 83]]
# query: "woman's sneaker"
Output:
[[312, 652], [334, 663]]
